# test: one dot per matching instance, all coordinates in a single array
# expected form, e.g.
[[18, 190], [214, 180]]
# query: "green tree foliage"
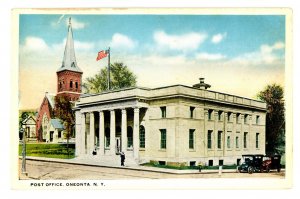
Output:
[[63, 111], [273, 95], [120, 77]]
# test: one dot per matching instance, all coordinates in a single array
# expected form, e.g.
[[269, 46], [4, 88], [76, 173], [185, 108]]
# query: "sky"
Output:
[[236, 54]]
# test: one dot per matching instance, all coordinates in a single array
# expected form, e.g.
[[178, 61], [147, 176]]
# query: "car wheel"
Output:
[[250, 170]]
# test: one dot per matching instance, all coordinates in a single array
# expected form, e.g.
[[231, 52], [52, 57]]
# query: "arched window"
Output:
[[142, 136], [107, 137], [71, 84], [60, 85], [76, 85], [129, 137]]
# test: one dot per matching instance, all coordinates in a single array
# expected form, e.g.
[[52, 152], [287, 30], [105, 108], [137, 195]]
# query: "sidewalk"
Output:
[[91, 162]]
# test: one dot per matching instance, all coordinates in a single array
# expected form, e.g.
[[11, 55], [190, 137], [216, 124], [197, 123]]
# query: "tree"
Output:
[[273, 95], [120, 75], [63, 111]]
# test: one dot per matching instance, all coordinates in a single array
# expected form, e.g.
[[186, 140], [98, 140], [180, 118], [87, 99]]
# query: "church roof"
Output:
[[69, 60], [56, 124], [50, 98]]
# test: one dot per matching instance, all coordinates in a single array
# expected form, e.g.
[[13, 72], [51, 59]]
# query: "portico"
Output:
[[109, 129]]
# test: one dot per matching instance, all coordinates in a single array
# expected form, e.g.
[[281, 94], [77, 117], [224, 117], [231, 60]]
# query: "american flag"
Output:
[[102, 54]]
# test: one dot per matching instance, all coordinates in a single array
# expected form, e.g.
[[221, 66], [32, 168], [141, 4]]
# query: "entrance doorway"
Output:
[[118, 145]]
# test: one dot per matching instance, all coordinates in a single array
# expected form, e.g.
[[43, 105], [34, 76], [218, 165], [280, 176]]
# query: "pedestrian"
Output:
[[200, 166], [122, 154]]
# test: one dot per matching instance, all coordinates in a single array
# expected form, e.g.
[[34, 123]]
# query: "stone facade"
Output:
[[176, 125]]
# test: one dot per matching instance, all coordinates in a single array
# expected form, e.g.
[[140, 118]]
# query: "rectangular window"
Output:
[[221, 162], [219, 139], [257, 140], [191, 138], [237, 145], [209, 133], [76, 85], [238, 118], [210, 163], [163, 138], [245, 139], [246, 119], [59, 134], [228, 142], [71, 84], [210, 112], [192, 112], [163, 111], [229, 117], [220, 115], [257, 119]]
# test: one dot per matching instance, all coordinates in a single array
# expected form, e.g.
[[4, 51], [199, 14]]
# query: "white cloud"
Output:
[[122, 41], [185, 42], [35, 44], [266, 54], [207, 56], [218, 38]]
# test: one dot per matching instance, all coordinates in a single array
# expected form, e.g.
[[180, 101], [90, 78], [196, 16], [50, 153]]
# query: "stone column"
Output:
[[136, 127], [78, 136], [206, 132], [82, 133], [112, 132], [124, 131], [101, 132], [92, 133]]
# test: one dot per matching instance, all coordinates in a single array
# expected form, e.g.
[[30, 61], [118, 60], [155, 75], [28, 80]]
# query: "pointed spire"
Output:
[[69, 60]]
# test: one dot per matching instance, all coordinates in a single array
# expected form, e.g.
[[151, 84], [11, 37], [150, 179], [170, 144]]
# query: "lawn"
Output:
[[49, 150]]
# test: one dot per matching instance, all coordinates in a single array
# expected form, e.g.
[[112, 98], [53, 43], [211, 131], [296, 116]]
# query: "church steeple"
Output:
[[69, 59], [69, 75]]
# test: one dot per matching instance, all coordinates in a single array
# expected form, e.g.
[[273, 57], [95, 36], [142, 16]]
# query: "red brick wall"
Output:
[[69, 81], [44, 108]]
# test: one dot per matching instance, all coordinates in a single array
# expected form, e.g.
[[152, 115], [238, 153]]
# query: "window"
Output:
[[163, 112], [245, 139], [219, 139], [107, 137], [229, 117], [76, 85], [209, 133], [192, 163], [142, 136], [192, 112], [257, 140], [60, 85], [220, 115], [191, 138], [129, 137], [71, 84], [59, 134], [210, 162], [237, 142], [163, 138], [238, 117], [221, 162], [257, 119], [210, 114], [246, 119], [228, 142]]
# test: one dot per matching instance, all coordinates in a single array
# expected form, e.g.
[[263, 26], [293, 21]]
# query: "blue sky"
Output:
[[231, 51]]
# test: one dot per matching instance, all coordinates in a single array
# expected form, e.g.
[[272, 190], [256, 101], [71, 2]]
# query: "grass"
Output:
[[49, 150]]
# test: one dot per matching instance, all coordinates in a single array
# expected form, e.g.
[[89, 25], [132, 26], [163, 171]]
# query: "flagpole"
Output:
[[108, 70]]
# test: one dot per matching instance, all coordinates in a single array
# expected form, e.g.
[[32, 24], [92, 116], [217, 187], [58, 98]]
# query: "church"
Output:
[[69, 78], [175, 125]]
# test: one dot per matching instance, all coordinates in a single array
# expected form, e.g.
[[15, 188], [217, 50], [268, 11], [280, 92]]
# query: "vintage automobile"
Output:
[[271, 162], [252, 163]]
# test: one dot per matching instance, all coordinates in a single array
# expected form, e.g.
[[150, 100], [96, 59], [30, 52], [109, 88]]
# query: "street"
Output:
[[39, 170]]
